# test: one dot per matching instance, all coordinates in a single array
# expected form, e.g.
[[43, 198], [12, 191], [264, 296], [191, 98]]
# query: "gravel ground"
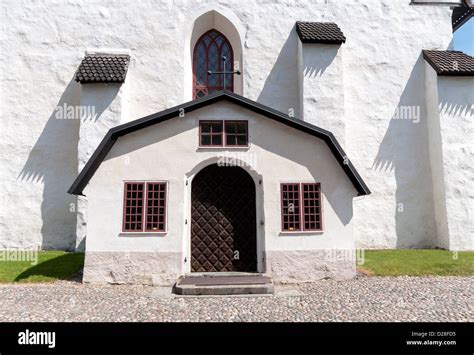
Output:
[[362, 299]]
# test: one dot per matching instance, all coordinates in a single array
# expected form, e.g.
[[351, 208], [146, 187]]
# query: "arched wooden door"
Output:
[[223, 221]]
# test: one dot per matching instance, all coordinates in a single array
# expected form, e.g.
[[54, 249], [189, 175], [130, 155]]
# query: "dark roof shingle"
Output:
[[320, 32], [103, 68], [450, 62]]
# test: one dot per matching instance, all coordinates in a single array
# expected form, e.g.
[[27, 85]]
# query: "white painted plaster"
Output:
[[381, 65], [148, 268], [108, 102], [311, 265], [449, 104], [456, 114], [436, 156], [322, 87], [282, 155]]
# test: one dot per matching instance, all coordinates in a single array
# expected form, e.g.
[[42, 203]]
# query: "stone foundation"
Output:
[[146, 268], [163, 268], [291, 266]]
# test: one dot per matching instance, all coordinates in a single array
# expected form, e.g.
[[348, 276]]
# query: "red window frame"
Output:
[[211, 134], [291, 219], [131, 201], [155, 207], [205, 89], [311, 206], [309, 216], [236, 134], [223, 133], [133, 206]]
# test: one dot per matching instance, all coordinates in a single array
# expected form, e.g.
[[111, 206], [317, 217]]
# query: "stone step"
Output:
[[223, 285]]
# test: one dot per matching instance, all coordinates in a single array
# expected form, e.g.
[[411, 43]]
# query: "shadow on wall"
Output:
[[454, 96], [405, 150], [453, 104], [100, 96], [281, 89], [316, 65], [53, 162]]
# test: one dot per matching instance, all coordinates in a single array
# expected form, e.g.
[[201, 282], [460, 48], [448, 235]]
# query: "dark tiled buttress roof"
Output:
[[103, 68], [450, 62], [320, 32]]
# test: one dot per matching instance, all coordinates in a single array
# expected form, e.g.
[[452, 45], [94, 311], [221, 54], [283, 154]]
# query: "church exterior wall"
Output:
[[382, 70], [456, 114], [437, 170], [277, 154]]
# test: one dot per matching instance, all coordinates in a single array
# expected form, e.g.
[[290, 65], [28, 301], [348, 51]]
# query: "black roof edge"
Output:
[[121, 130], [463, 13]]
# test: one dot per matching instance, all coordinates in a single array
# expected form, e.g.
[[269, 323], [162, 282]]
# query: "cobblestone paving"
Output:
[[362, 299]]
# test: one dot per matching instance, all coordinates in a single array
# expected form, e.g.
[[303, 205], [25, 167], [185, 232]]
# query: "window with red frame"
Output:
[[236, 133], [155, 207], [290, 207], [301, 208], [207, 55], [210, 133], [311, 206], [144, 207], [223, 133]]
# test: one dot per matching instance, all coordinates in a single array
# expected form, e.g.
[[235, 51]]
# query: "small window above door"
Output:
[[210, 133], [223, 133], [236, 133]]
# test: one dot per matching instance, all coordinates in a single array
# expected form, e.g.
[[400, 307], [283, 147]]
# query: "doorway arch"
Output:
[[223, 220]]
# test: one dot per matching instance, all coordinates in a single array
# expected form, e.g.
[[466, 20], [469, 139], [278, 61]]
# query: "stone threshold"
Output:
[[223, 284]]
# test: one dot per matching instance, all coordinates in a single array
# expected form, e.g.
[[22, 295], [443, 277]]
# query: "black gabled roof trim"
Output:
[[461, 15], [118, 131]]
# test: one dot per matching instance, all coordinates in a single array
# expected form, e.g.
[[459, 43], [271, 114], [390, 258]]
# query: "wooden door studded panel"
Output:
[[223, 221]]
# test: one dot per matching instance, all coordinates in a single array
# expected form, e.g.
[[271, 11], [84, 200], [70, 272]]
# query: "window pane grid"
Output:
[[210, 133], [156, 207], [144, 207], [301, 207], [290, 207], [133, 214], [236, 133], [312, 206], [208, 53]]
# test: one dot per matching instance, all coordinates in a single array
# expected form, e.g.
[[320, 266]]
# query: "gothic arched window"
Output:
[[208, 53]]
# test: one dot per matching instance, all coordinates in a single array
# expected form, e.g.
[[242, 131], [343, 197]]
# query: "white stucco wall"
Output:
[[322, 87], [436, 156], [456, 105], [449, 102], [276, 154], [109, 102], [42, 46]]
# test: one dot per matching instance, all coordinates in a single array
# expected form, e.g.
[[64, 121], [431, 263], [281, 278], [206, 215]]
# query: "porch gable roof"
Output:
[[114, 133]]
